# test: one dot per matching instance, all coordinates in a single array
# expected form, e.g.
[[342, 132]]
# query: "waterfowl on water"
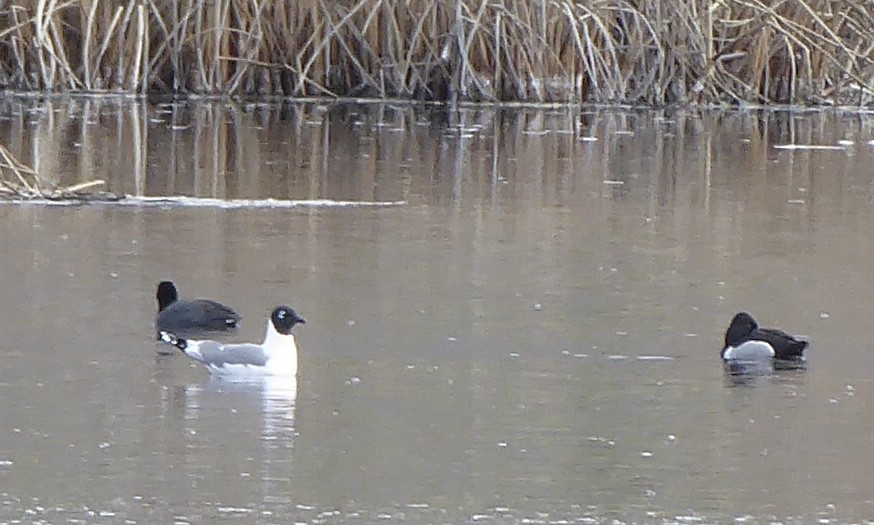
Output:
[[745, 341], [277, 355], [177, 316]]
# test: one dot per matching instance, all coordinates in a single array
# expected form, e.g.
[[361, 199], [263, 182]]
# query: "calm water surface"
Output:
[[532, 337]]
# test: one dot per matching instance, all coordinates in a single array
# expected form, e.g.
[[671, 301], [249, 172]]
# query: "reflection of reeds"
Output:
[[560, 50], [401, 152], [18, 180]]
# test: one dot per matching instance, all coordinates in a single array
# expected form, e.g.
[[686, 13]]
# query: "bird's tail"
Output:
[[171, 339], [799, 347], [793, 350]]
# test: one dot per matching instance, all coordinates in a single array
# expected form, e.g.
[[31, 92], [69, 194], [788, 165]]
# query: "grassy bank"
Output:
[[613, 51]]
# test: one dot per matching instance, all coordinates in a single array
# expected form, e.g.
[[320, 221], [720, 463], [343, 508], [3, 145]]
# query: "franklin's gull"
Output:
[[277, 355]]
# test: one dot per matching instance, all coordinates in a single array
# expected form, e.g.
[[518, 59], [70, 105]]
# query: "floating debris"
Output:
[[814, 147], [257, 203], [690, 519], [197, 202], [21, 182]]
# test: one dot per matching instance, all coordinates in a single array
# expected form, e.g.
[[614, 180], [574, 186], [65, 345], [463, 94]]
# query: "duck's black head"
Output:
[[284, 319], [166, 294], [741, 326]]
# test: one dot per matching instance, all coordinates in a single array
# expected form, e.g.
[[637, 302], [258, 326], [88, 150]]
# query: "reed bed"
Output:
[[604, 51]]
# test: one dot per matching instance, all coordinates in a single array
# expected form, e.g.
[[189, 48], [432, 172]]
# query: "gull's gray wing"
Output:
[[218, 355]]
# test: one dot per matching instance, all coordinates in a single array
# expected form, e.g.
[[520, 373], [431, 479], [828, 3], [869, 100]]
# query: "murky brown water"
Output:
[[471, 356]]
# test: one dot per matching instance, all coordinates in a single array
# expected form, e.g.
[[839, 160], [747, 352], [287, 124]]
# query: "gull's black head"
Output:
[[741, 326], [284, 319], [166, 294]]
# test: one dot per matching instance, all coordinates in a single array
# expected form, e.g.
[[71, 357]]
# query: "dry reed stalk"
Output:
[[138, 77], [104, 46], [82, 186], [86, 44], [18, 40]]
